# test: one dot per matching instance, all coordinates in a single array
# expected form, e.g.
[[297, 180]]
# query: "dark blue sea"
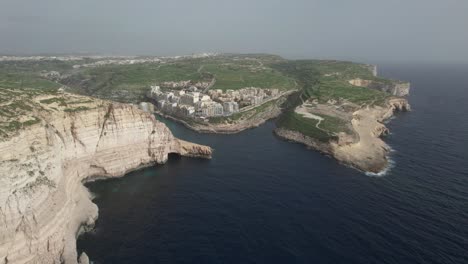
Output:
[[264, 200]]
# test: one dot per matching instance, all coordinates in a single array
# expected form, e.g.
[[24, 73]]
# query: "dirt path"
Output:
[[302, 110], [200, 68]]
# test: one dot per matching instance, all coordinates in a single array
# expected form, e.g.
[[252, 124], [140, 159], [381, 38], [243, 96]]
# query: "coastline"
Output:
[[244, 124], [217, 130], [44, 204], [369, 153], [45, 208]]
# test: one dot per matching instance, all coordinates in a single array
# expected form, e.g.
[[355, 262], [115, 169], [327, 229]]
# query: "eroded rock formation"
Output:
[[43, 202], [393, 88], [366, 152]]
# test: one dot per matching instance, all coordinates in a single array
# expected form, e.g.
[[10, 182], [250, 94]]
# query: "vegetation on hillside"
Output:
[[131, 82], [323, 82], [316, 80]]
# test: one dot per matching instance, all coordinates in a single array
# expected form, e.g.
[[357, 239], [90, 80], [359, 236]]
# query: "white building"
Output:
[[181, 92], [174, 99], [168, 96], [210, 108], [155, 92], [205, 98], [189, 98], [187, 110], [230, 108]]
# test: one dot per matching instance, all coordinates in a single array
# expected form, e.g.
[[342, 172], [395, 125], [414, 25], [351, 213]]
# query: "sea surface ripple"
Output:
[[264, 200]]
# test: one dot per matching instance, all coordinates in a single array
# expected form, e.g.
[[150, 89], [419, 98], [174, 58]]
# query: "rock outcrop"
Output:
[[368, 152], [43, 203], [393, 88]]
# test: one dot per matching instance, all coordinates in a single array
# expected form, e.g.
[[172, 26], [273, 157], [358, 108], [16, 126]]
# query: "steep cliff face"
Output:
[[393, 88], [43, 202], [370, 152]]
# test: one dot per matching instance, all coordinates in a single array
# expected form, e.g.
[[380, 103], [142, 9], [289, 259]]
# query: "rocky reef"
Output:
[[43, 203]]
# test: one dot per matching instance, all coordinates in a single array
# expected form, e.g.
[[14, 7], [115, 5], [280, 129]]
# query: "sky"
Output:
[[362, 30]]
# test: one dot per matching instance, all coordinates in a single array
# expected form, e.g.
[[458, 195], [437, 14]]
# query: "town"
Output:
[[197, 103], [101, 60]]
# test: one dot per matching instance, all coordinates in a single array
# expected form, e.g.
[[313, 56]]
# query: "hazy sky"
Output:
[[366, 30]]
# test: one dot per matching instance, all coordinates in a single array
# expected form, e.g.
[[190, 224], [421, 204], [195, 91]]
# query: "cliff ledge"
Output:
[[43, 202]]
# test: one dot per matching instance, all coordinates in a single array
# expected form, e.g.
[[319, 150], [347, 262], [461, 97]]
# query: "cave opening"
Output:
[[173, 157]]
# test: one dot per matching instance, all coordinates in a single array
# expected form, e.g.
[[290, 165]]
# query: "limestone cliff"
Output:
[[369, 153], [394, 88], [366, 151], [43, 202]]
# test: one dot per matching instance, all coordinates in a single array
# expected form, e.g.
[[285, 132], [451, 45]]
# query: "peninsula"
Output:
[[338, 108]]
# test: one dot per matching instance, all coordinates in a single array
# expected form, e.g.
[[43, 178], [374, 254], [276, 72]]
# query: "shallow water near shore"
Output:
[[265, 200]]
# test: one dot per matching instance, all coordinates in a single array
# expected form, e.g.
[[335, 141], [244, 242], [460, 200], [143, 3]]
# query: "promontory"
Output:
[[51, 143]]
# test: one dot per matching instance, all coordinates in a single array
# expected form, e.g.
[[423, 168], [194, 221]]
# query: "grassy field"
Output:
[[322, 80], [305, 126], [20, 82], [308, 126], [17, 88], [237, 76], [15, 103], [128, 83], [25, 80], [131, 82], [326, 80], [330, 88], [38, 66]]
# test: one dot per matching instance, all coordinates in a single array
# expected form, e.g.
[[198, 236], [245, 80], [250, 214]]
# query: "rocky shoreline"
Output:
[[52, 142], [369, 153], [43, 202]]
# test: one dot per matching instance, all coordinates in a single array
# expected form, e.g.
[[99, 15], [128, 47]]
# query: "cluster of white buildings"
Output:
[[40, 58], [244, 97], [118, 61], [191, 103], [185, 84], [105, 59]]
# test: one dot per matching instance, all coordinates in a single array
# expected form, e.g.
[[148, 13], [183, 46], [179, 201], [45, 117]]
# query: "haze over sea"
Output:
[[264, 200]]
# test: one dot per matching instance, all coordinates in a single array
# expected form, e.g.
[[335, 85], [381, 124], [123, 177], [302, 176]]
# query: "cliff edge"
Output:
[[341, 111], [361, 146], [43, 202]]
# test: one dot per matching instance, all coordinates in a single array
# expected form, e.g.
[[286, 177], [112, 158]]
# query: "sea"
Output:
[[265, 200]]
